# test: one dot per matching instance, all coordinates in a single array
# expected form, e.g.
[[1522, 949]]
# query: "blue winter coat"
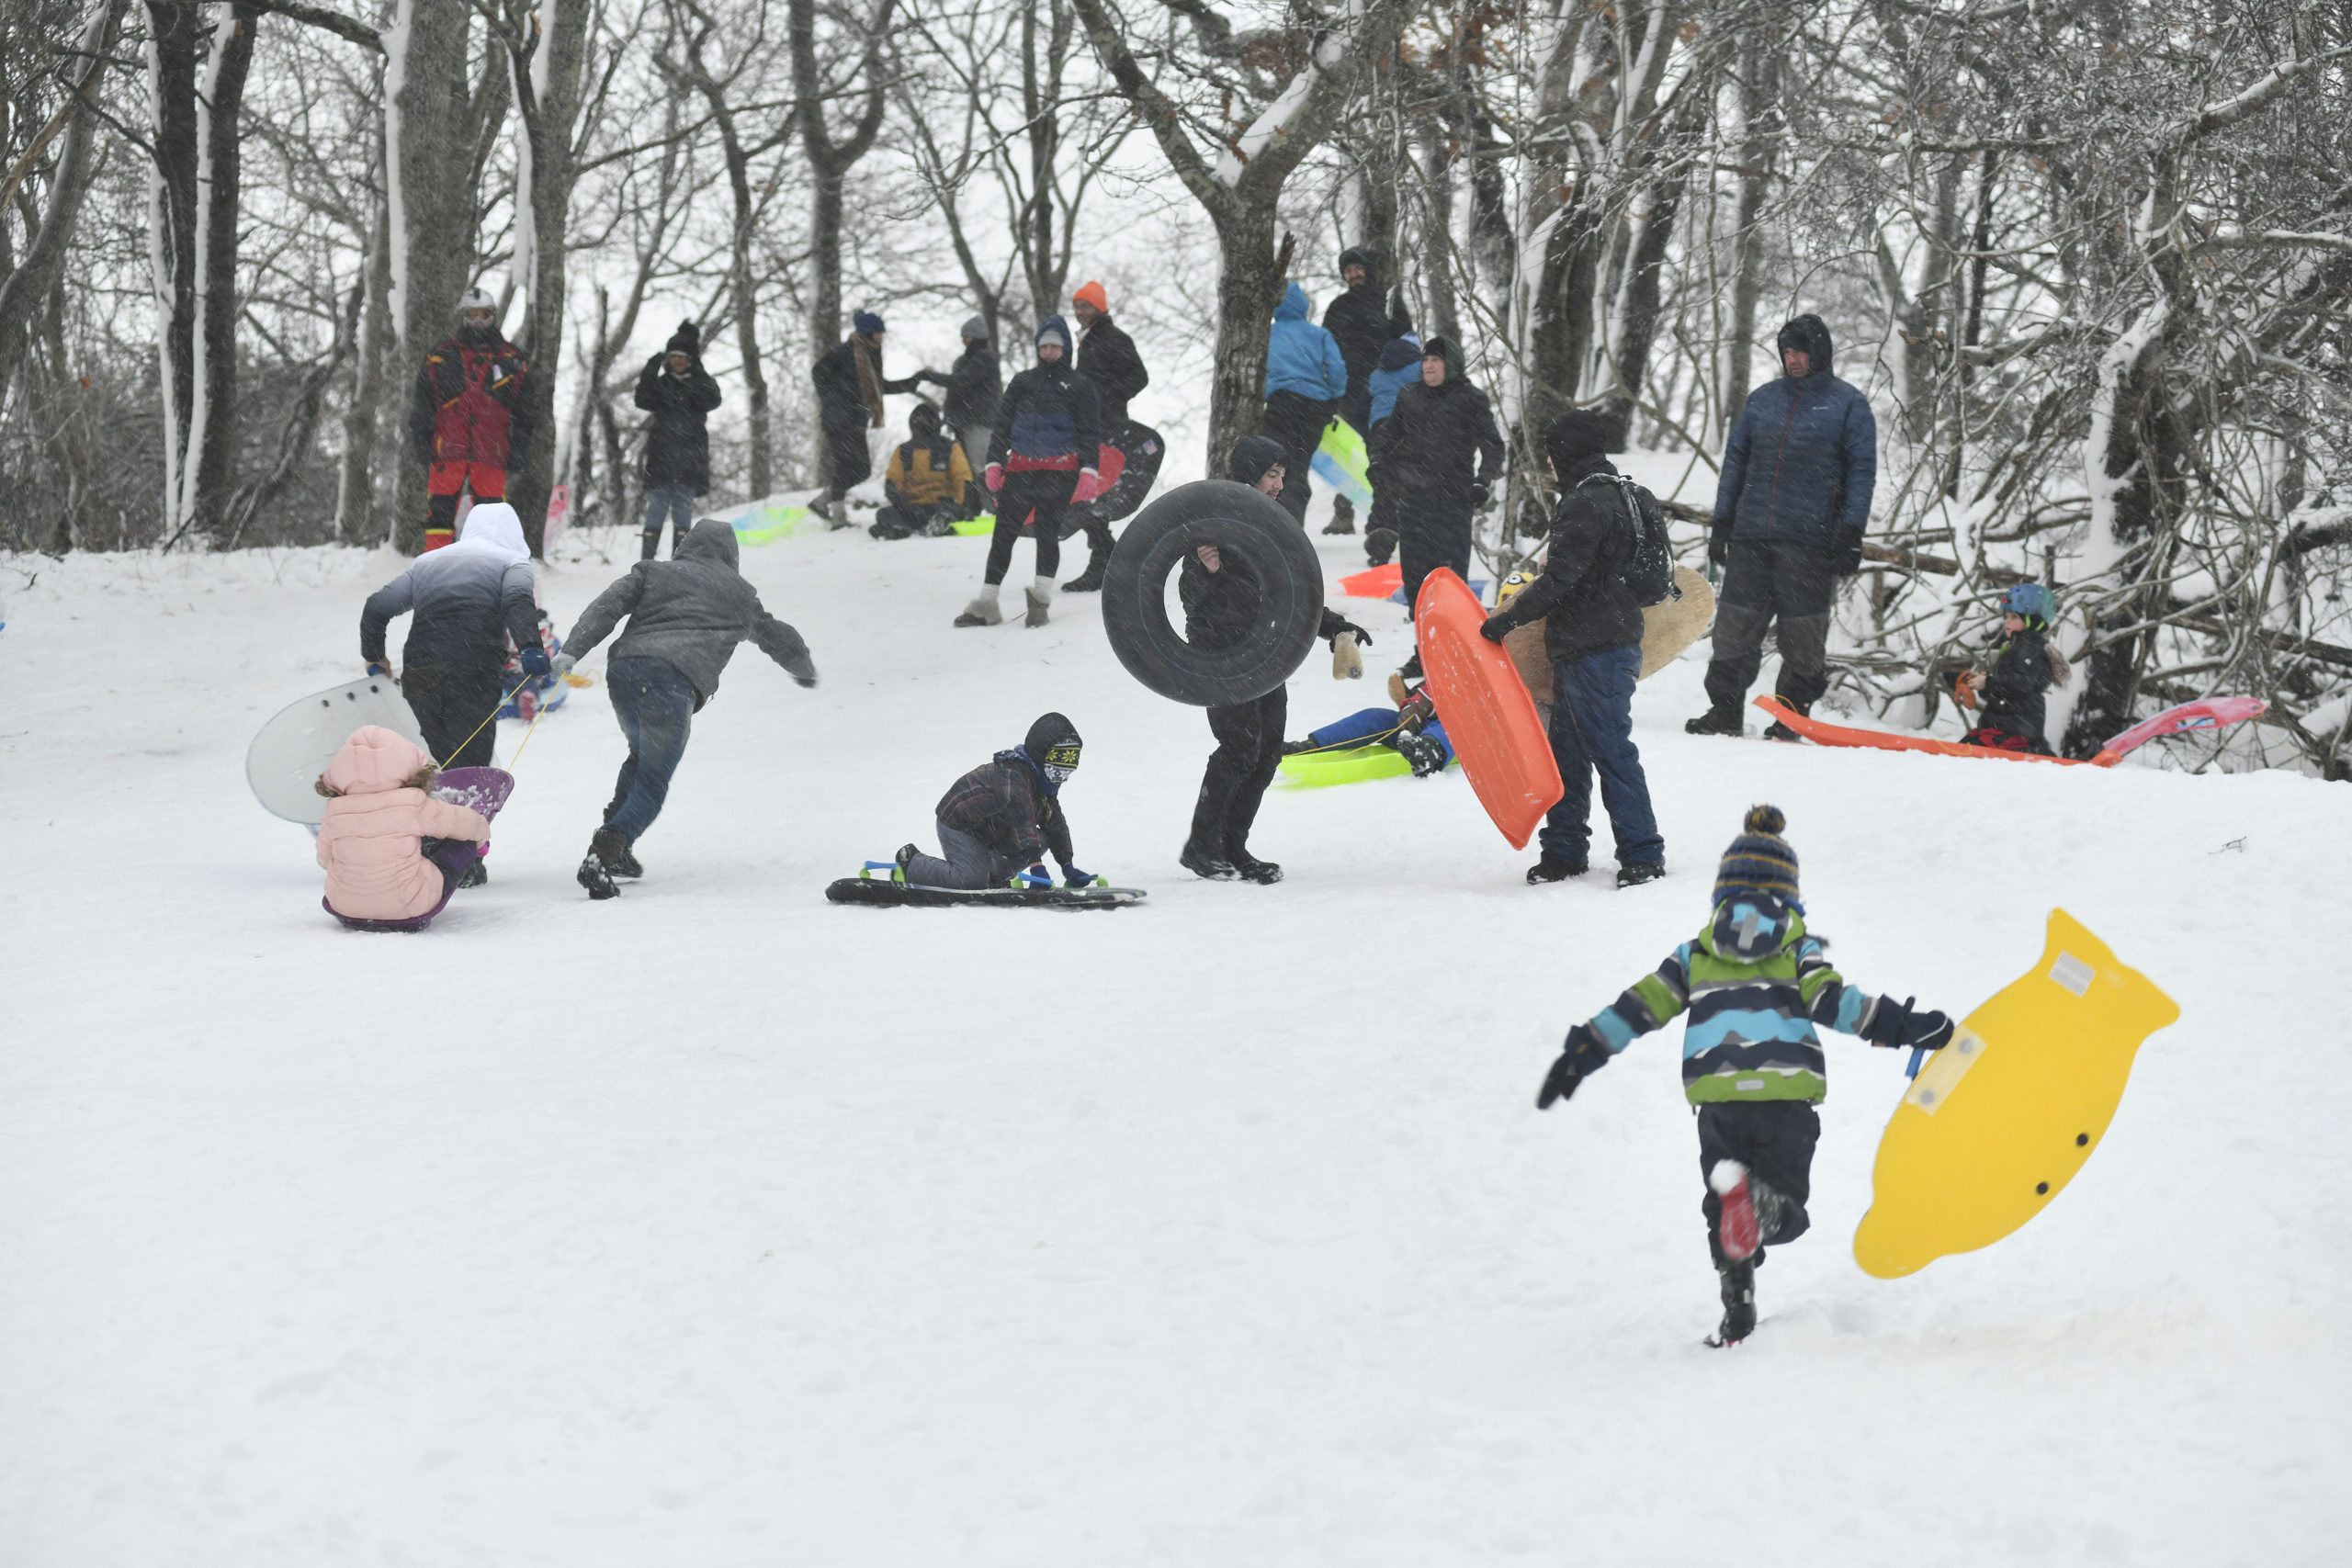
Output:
[[1302, 357], [1803, 457], [1400, 366]]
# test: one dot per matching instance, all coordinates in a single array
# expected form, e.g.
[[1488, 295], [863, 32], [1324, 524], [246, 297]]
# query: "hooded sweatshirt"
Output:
[[689, 613], [469, 598], [1050, 417], [1802, 458], [1440, 440], [369, 845], [1301, 357]]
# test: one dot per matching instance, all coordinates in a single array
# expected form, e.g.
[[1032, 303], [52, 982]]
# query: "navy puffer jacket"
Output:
[[1803, 457]]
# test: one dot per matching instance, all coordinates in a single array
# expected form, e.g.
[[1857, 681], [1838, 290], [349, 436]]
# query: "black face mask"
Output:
[[477, 337]]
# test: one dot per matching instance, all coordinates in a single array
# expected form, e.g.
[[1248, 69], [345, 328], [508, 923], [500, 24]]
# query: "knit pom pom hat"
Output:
[[1760, 860], [688, 340]]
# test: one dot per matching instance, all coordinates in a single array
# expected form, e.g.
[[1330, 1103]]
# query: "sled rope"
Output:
[[540, 714], [487, 717]]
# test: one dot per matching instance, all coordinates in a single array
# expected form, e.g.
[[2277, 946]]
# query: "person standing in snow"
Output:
[[1042, 458], [1361, 323], [2012, 685], [1305, 379], [685, 615], [470, 412], [1592, 633], [1004, 815], [1222, 595], [929, 483], [679, 393], [849, 389], [467, 601], [972, 386], [1440, 454], [1106, 356], [1791, 507], [1756, 983], [1400, 366]]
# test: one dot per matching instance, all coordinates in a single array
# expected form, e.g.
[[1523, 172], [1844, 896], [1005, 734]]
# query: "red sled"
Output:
[[1489, 717]]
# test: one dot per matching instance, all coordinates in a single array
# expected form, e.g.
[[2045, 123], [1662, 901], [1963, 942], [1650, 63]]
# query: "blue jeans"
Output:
[[1592, 727], [677, 502], [655, 706]]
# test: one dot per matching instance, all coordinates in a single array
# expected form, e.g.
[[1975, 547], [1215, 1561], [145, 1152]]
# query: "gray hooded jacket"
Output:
[[689, 613]]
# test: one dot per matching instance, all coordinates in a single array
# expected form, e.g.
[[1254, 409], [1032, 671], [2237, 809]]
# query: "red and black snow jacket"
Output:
[[471, 403]]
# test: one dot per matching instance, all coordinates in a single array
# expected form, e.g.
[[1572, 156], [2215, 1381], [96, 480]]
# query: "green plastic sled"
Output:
[[1350, 764]]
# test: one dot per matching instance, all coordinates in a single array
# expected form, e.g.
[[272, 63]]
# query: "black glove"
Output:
[[1344, 627], [533, 660], [1889, 1025], [1583, 1054], [1719, 546], [1495, 627], [1846, 551]]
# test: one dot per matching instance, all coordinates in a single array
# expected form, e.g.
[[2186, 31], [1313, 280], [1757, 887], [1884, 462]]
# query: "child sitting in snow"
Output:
[[1004, 815], [391, 850], [1755, 982], [2022, 668]]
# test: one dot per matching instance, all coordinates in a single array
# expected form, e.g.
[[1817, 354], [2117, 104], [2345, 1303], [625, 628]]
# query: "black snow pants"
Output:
[[1432, 531], [1763, 581], [449, 705], [1249, 747], [1297, 422], [1774, 1139], [1047, 490]]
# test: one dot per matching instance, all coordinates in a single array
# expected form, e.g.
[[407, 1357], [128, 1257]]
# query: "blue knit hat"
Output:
[[1759, 858], [868, 323]]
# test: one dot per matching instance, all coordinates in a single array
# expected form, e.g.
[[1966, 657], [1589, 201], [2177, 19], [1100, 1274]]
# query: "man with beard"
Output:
[[1361, 325]]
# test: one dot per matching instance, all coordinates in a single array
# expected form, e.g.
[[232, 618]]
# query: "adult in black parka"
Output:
[[679, 393], [1440, 454], [972, 384], [850, 387], [1362, 324]]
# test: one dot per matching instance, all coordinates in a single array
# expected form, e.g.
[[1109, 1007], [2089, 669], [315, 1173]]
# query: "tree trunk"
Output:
[[355, 490], [213, 424], [1759, 90], [1249, 284], [547, 82], [1437, 236], [173, 34], [1638, 314], [829, 164]]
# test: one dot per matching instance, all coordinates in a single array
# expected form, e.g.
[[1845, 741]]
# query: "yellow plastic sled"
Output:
[[2000, 1119]]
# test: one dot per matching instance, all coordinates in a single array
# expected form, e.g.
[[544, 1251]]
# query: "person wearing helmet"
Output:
[[2025, 666], [471, 412]]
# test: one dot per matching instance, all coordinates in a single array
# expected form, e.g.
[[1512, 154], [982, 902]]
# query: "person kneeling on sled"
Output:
[[1221, 595], [927, 484], [391, 850], [1755, 983], [685, 615], [2021, 669], [1004, 815]]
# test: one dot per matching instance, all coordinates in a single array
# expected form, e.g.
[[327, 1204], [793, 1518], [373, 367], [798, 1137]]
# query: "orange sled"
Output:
[[1879, 740], [1488, 714]]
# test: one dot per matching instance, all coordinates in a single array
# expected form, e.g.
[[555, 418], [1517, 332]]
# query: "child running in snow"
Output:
[[1755, 982], [2021, 669], [391, 850], [1004, 815]]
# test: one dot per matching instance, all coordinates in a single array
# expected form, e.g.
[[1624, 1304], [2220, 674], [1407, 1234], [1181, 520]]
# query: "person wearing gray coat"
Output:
[[685, 615]]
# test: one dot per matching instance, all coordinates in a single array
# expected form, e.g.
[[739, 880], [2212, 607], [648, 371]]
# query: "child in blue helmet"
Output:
[[2021, 669], [1752, 986]]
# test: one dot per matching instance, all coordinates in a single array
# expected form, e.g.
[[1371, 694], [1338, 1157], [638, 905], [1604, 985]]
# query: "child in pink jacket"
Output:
[[378, 813]]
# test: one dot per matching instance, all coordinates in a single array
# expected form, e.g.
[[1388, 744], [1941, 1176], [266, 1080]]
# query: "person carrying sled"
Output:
[[391, 850], [679, 393], [972, 386], [1221, 594], [1362, 324], [470, 415], [466, 601], [685, 615], [1041, 457], [2010, 690], [928, 483], [1440, 454], [1106, 356], [1756, 983], [1593, 634], [1305, 379], [1005, 815], [1790, 506], [850, 387]]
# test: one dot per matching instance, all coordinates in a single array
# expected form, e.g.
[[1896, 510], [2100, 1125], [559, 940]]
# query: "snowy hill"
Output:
[[718, 1226]]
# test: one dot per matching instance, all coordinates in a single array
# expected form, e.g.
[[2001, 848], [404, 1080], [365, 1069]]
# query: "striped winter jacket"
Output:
[[1756, 983]]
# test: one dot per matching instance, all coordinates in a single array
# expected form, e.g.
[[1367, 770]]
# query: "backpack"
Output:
[[1648, 572]]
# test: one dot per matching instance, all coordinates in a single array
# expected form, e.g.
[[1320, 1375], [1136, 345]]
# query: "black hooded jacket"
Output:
[[2015, 690], [973, 386], [1359, 320], [1221, 606], [1440, 441], [1581, 596], [677, 447], [1107, 356]]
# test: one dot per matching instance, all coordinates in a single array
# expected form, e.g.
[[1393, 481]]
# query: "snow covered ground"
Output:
[[718, 1226]]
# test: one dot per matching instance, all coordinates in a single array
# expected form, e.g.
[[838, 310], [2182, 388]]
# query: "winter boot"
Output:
[[898, 867], [1740, 1303], [1714, 721], [1776, 730], [1638, 873], [652, 546], [821, 503], [1091, 580], [1343, 516], [1265, 872], [595, 871], [1200, 863], [1040, 595], [983, 611], [1379, 543], [623, 862], [1778, 1217], [1736, 1230], [1551, 869], [477, 874]]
